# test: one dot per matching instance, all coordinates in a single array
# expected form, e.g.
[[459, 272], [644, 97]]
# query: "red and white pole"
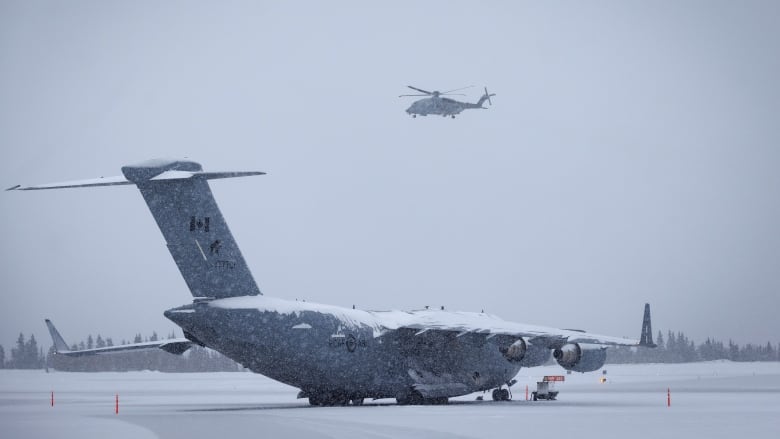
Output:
[[526, 392], [668, 397], [52, 398], [116, 407]]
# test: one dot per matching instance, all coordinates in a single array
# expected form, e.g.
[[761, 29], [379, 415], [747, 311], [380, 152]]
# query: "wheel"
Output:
[[504, 393], [328, 399], [413, 398], [496, 395]]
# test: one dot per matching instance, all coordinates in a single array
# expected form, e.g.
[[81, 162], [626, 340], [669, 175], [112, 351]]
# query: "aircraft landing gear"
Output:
[[501, 395], [333, 399], [416, 398]]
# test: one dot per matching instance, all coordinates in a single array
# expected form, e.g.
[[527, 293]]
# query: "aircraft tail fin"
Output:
[[180, 199], [646, 338], [59, 342]]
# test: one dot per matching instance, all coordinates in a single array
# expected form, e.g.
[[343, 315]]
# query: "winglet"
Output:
[[646, 339], [59, 342]]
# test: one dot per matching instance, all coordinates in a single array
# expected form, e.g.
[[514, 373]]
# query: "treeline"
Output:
[[27, 355], [677, 348]]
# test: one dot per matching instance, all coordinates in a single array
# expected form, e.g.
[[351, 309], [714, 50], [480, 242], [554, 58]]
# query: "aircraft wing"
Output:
[[174, 345], [462, 323], [538, 335]]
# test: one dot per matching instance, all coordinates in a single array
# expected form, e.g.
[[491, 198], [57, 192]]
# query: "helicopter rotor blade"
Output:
[[457, 89], [401, 96], [420, 90], [488, 96]]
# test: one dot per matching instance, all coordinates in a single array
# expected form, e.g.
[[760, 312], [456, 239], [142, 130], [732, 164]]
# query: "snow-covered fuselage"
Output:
[[325, 349]]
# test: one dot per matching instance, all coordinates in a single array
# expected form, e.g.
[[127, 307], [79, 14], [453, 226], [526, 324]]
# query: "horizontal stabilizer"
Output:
[[121, 180], [107, 181]]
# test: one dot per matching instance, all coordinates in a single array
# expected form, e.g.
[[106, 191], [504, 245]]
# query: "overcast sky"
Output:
[[631, 156]]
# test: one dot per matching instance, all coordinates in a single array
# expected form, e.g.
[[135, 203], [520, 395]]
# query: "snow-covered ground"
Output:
[[713, 400]]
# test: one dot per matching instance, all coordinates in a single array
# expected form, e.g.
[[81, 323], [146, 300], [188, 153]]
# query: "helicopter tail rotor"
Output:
[[488, 95], [485, 97]]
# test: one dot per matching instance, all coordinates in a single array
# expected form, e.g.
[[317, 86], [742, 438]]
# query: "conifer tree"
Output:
[[17, 353]]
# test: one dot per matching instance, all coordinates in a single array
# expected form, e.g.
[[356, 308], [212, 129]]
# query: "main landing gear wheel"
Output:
[[416, 398], [333, 399], [500, 395], [413, 398]]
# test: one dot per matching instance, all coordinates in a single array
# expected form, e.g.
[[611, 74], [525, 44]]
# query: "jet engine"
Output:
[[580, 358], [527, 354], [516, 351]]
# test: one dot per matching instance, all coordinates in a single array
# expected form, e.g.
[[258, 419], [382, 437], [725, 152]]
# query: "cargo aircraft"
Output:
[[334, 355]]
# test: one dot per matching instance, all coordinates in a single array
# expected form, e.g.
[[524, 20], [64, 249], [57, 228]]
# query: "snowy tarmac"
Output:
[[713, 399]]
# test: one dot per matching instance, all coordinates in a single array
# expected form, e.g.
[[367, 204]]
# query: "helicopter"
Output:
[[436, 104]]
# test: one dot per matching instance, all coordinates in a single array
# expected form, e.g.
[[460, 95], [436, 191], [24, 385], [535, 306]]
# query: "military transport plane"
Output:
[[334, 355]]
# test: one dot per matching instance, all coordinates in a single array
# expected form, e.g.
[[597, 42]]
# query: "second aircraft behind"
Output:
[[436, 104]]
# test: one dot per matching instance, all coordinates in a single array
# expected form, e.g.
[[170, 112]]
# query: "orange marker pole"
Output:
[[52, 398], [668, 397], [116, 409], [526, 392]]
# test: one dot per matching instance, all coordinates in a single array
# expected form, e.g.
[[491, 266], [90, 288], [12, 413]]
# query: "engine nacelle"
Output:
[[580, 358], [525, 354], [515, 352]]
